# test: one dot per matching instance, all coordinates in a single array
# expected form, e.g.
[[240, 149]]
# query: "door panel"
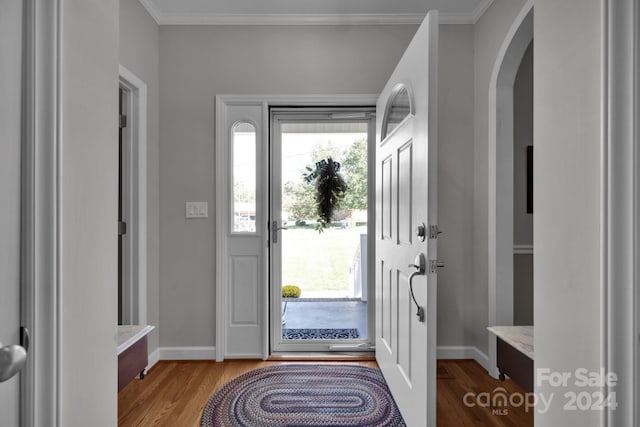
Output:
[[406, 192], [10, 161], [244, 229]]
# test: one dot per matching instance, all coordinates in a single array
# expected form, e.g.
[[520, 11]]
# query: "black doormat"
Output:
[[319, 334]]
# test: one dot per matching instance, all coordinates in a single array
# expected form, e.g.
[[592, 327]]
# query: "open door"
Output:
[[406, 230], [12, 354]]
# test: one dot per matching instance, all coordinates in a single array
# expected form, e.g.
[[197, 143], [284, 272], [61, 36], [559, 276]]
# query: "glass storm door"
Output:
[[319, 265]]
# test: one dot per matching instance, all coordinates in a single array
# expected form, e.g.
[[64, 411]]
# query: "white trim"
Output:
[[153, 358], [153, 11], [221, 194], [523, 249], [480, 10], [138, 254], [300, 100], [500, 240], [463, 352], [290, 114], [620, 185], [308, 18], [636, 214], [265, 208], [289, 19], [222, 183], [606, 228], [187, 353], [41, 305]]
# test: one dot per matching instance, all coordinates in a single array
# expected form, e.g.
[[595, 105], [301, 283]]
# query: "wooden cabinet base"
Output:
[[516, 365], [132, 362]]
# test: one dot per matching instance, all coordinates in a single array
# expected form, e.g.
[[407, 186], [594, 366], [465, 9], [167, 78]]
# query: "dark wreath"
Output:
[[330, 189]]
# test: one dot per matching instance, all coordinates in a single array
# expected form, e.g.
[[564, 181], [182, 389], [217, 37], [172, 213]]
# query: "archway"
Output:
[[500, 167]]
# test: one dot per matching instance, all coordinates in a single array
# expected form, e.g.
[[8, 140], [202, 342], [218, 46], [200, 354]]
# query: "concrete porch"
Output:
[[326, 313]]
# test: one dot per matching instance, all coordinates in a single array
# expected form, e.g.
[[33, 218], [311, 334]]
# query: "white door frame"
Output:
[[500, 171], [635, 400], [135, 244], [41, 388], [319, 115], [620, 179], [223, 172]]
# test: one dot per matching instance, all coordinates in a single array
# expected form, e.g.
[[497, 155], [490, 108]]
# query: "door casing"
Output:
[[225, 103], [135, 241], [318, 115], [40, 263]]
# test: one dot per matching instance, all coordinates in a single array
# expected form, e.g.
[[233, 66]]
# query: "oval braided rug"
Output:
[[304, 395]]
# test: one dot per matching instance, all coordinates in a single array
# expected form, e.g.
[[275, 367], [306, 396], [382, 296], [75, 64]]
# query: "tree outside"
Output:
[[298, 196], [322, 265]]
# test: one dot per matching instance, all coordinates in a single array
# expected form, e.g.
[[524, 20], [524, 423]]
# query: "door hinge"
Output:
[[123, 121], [434, 231], [122, 228]]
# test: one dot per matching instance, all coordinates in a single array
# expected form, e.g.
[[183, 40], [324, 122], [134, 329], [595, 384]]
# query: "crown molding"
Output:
[[309, 18], [289, 19], [152, 9], [480, 10]]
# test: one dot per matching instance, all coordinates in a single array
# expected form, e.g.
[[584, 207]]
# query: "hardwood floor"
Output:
[[460, 378], [174, 393]]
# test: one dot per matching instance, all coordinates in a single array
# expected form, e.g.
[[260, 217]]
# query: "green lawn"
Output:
[[319, 262]]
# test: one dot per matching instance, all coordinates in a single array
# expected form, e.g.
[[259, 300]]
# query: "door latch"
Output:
[[434, 231], [434, 265], [274, 231]]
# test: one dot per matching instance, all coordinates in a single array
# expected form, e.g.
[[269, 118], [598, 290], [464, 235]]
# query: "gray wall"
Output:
[[196, 63], [568, 158], [489, 34], [88, 212], [522, 137], [523, 289], [522, 221], [455, 184], [139, 53]]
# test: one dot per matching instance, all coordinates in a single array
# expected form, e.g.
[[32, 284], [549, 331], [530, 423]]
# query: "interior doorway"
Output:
[[132, 199], [319, 264], [124, 184], [523, 191]]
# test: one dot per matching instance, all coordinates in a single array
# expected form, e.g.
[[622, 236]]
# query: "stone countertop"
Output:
[[519, 337], [130, 334]]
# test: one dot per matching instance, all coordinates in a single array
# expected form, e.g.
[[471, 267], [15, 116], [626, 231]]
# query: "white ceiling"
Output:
[[311, 12]]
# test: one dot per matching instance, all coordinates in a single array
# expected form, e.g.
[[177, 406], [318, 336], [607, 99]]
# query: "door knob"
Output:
[[12, 360], [419, 264]]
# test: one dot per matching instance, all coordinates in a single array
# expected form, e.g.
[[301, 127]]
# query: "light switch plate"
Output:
[[197, 210]]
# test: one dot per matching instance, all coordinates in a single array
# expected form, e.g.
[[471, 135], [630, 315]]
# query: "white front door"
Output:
[[406, 201], [10, 138]]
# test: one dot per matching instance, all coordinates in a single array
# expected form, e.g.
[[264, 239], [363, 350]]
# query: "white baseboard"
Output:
[[187, 353], [154, 357], [209, 353], [463, 352]]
